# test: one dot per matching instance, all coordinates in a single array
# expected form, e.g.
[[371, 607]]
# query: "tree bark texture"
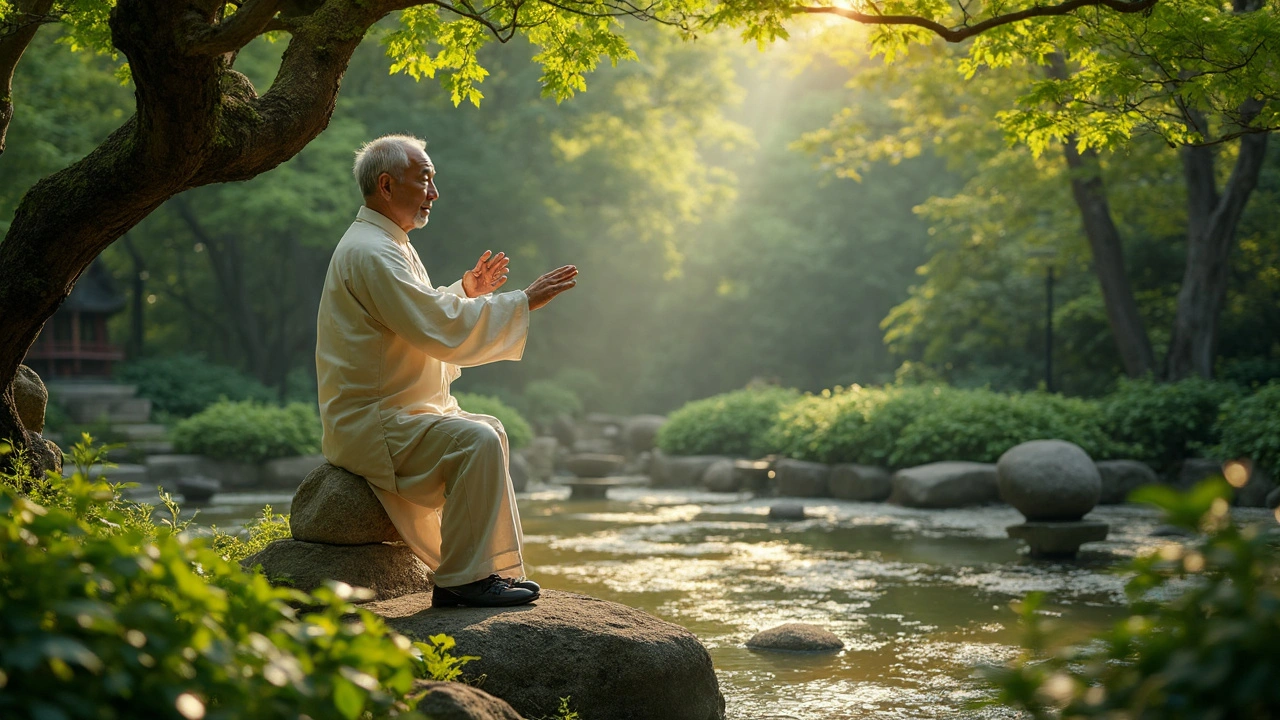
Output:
[[197, 122], [28, 17], [1212, 220], [1127, 326]]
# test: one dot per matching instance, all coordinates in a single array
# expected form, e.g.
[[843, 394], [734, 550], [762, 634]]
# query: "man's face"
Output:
[[412, 194]]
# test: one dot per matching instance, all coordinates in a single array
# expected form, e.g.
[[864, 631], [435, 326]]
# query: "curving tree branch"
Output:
[[29, 16], [965, 31], [250, 21]]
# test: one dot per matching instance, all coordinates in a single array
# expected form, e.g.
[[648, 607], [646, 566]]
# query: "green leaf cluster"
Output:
[[1249, 428], [247, 431], [519, 433], [547, 400], [1197, 641], [735, 423], [1164, 423], [182, 385], [101, 617]]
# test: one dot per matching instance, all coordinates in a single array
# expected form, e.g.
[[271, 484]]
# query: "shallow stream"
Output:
[[920, 597]]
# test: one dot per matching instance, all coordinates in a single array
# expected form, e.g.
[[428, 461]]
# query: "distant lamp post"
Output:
[[1048, 255]]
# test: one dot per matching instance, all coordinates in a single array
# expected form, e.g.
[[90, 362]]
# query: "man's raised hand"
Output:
[[488, 275], [542, 290]]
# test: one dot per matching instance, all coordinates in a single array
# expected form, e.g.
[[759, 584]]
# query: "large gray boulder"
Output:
[[1049, 480], [796, 637], [798, 478], [680, 470], [862, 483], [1121, 477], [388, 569], [720, 477], [459, 701], [640, 433], [336, 507], [946, 485], [31, 397], [611, 660]]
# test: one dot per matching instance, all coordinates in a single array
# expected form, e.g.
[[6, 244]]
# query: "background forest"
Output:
[[797, 216]]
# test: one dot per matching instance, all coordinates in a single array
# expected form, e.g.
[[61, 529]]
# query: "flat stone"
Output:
[[1057, 539], [798, 478], [336, 507], [1050, 480], [288, 472], [598, 488], [1121, 477], [31, 398], [594, 465], [459, 701], [720, 477], [786, 511], [611, 660], [796, 637], [946, 485], [388, 569], [861, 483]]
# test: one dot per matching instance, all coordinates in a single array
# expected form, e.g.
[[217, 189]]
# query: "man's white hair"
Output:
[[387, 154]]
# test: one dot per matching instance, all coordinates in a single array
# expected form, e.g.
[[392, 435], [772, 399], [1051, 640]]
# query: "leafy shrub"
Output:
[[249, 432], [183, 385], [735, 423], [914, 425], [1250, 428], [103, 617], [519, 434], [1164, 423], [546, 400], [1207, 652], [256, 536]]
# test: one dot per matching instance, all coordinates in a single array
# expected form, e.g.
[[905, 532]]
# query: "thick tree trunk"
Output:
[[1127, 326], [197, 122], [1211, 233]]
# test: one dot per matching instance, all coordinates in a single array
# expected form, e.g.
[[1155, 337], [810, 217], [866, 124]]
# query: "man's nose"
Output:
[[433, 193]]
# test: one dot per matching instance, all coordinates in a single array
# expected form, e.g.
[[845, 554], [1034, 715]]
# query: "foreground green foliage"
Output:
[[519, 433], [256, 536], [1207, 651], [735, 423], [1249, 427], [249, 432], [1163, 423], [182, 385], [106, 615]]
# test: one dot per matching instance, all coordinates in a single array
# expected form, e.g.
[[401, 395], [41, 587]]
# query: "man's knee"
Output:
[[480, 438]]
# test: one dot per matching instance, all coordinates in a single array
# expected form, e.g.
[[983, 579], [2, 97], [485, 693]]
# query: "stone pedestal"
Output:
[[1057, 540], [598, 488]]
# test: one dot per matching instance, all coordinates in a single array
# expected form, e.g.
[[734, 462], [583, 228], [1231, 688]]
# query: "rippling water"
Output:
[[920, 597]]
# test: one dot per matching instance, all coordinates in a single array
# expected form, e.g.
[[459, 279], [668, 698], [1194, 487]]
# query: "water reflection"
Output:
[[921, 598]]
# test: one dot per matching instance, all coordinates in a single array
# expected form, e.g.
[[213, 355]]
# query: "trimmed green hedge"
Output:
[[249, 432], [183, 385], [1249, 428], [736, 423], [1164, 423], [519, 434]]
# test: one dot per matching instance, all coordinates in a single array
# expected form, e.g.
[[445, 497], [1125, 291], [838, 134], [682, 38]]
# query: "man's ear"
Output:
[[384, 185]]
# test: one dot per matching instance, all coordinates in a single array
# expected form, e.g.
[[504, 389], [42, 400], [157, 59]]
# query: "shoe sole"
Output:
[[451, 600]]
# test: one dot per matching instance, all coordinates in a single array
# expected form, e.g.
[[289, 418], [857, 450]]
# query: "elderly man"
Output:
[[388, 344]]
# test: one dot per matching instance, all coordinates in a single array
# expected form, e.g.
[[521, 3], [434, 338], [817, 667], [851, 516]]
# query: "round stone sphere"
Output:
[[1049, 480]]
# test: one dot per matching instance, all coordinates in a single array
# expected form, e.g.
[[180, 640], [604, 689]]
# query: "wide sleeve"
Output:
[[451, 328]]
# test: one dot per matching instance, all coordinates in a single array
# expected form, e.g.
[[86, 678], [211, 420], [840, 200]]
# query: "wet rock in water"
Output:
[[1121, 477], [786, 511], [680, 470], [1171, 531], [861, 483], [31, 398], [720, 477], [1058, 540], [798, 478], [946, 485], [520, 472], [336, 507], [594, 465], [198, 488], [640, 433], [796, 637], [388, 569], [459, 701], [1049, 480], [611, 660]]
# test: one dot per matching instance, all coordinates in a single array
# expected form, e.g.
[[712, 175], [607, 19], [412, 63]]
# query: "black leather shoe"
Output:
[[492, 591], [525, 583]]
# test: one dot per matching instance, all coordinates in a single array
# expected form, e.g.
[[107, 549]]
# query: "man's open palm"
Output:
[[489, 274]]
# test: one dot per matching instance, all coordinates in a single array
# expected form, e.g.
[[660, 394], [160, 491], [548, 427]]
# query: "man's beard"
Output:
[[420, 220]]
